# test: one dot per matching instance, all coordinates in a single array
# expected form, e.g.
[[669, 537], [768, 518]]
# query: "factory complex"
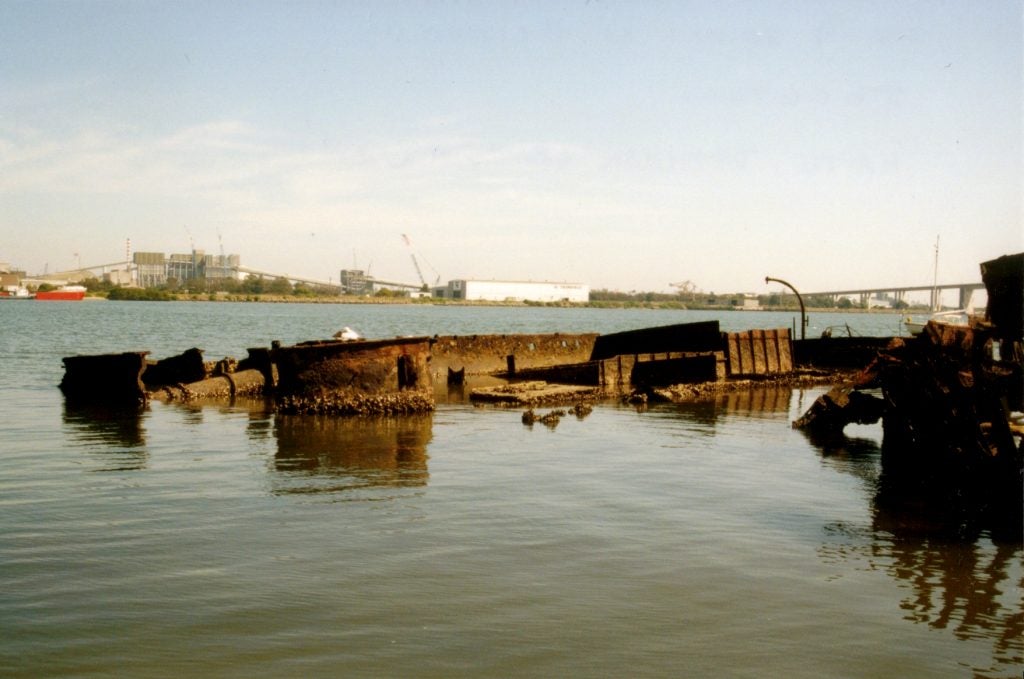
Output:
[[157, 269]]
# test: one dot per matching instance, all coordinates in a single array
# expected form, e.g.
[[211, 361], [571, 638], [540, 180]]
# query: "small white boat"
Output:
[[960, 317], [15, 292]]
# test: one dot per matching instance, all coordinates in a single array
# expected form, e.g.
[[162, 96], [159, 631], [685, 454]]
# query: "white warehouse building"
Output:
[[513, 291]]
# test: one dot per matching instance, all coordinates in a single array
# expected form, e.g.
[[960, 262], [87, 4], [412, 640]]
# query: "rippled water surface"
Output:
[[708, 539]]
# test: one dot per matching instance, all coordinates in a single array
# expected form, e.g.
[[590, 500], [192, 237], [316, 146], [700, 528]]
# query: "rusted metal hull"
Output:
[[948, 396], [186, 367], [110, 378], [759, 352], [362, 377], [947, 402], [687, 353], [838, 352], [488, 354], [397, 375], [682, 337]]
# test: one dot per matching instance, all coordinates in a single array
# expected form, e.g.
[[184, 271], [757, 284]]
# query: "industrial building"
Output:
[[358, 282], [513, 291], [154, 269]]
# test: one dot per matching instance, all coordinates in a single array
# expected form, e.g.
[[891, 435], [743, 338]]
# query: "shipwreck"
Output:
[[949, 398], [406, 374]]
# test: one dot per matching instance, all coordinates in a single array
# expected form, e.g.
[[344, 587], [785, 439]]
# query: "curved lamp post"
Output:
[[803, 315]]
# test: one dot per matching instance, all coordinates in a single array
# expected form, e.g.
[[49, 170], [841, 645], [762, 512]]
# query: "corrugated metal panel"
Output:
[[759, 352]]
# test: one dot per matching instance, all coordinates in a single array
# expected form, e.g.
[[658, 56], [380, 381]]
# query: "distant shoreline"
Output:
[[653, 305]]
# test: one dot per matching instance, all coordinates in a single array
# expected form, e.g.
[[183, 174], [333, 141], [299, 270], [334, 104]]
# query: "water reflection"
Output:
[[857, 456], [961, 563], [964, 586], [320, 454], [114, 434], [703, 413], [260, 426], [756, 401]]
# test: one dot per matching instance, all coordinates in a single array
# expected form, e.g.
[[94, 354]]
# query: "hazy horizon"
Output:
[[627, 146]]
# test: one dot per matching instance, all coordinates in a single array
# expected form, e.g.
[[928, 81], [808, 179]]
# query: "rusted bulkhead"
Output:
[[626, 372], [489, 354], [697, 352], [759, 352], [838, 352], [113, 378], [681, 337], [186, 367], [666, 355], [362, 377]]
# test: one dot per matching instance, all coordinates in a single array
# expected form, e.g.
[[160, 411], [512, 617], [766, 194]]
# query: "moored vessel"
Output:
[[65, 293], [15, 292]]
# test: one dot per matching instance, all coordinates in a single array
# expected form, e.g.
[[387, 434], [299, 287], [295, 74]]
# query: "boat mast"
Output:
[[935, 278]]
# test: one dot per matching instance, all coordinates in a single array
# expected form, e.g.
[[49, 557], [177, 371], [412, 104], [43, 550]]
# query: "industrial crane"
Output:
[[416, 264], [685, 287]]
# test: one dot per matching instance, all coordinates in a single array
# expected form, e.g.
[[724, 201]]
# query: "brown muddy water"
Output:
[[706, 539]]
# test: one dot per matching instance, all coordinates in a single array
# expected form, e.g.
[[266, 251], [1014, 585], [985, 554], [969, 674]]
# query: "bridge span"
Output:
[[965, 292]]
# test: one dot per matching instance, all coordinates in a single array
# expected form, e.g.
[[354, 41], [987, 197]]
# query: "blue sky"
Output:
[[625, 145]]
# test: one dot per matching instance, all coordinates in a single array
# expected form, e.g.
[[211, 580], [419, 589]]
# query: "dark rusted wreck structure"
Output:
[[354, 378], [951, 398], [647, 359], [130, 377], [402, 375], [407, 375], [109, 378], [326, 377]]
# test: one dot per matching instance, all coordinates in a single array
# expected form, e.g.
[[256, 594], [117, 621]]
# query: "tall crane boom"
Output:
[[415, 262]]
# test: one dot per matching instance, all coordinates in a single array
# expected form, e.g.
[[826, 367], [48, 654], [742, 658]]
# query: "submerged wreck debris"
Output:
[[637, 398], [950, 396], [831, 412], [581, 410], [550, 419], [533, 393], [337, 404], [217, 386]]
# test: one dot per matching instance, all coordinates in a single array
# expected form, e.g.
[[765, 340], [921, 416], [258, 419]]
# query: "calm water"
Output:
[[701, 540]]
